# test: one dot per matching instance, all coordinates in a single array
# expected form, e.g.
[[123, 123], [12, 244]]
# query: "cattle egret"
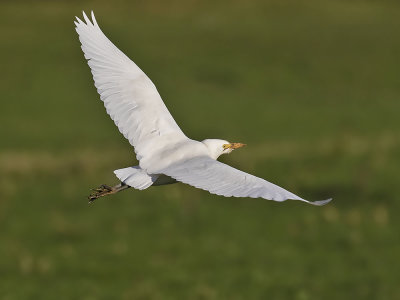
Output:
[[165, 154]]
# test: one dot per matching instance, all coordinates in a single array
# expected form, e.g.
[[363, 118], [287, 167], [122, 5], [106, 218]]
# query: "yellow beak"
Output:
[[233, 145]]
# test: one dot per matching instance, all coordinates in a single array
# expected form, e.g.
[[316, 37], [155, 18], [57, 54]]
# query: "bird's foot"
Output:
[[101, 191]]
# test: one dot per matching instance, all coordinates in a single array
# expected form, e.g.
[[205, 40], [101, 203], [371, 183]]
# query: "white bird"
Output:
[[164, 152]]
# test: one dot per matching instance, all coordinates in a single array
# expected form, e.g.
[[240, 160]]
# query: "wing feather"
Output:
[[129, 96], [218, 178]]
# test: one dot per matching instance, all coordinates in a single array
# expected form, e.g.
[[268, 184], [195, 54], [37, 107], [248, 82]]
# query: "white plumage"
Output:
[[164, 152]]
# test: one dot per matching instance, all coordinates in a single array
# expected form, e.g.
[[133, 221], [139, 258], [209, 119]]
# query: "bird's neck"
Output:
[[214, 149]]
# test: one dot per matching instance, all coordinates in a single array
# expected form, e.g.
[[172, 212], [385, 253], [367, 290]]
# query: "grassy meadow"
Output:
[[313, 88]]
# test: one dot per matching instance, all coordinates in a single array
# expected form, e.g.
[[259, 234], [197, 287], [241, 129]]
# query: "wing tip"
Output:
[[321, 202], [86, 19]]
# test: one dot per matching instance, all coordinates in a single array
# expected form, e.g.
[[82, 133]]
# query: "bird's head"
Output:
[[218, 147]]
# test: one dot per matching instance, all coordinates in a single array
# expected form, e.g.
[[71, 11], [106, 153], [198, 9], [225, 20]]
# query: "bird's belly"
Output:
[[163, 180]]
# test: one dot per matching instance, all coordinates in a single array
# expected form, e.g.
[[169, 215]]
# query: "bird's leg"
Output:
[[105, 190]]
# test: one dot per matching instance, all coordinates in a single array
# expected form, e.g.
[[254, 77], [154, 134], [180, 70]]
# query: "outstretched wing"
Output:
[[130, 98], [218, 178]]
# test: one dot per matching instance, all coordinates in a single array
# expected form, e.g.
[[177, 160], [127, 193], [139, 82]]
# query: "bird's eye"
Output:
[[226, 146]]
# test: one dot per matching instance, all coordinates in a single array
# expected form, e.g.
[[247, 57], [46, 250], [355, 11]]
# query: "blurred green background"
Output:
[[312, 87]]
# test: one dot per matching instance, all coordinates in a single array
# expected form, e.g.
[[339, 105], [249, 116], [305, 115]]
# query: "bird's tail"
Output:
[[136, 177]]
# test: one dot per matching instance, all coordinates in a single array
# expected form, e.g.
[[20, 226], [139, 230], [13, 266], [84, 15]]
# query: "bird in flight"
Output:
[[165, 154]]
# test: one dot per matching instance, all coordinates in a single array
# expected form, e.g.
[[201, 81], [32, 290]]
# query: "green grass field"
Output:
[[313, 88]]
